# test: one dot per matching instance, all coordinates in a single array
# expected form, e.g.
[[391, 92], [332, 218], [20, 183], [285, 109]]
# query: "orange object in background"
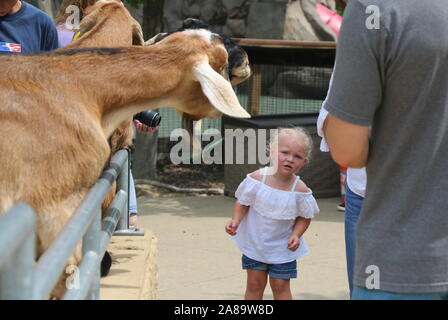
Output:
[[334, 21], [330, 17]]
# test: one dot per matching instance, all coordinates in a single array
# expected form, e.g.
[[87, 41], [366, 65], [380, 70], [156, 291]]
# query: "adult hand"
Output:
[[144, 128], [133, 220]]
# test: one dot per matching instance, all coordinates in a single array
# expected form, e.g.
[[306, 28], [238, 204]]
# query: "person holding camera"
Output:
[[147, 121]]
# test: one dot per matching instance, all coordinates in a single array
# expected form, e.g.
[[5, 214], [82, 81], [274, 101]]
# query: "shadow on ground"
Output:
[[219, 207]]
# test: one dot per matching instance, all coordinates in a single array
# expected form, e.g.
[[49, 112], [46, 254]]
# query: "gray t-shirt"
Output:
[[395, 78]]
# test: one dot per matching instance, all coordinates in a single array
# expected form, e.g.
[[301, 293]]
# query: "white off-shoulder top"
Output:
[[264, 232]]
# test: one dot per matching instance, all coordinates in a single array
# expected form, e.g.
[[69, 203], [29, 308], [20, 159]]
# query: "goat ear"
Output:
[[137, 35], [155, 39], [89, 21], [218, 91]]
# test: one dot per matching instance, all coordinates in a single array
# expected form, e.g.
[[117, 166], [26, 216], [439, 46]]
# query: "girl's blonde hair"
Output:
[[297, 133]]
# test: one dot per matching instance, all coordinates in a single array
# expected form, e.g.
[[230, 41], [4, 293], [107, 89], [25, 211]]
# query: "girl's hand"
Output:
[[231, 226], [293, 243]]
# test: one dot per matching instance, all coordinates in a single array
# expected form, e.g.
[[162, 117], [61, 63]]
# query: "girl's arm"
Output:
[[299, 229], [239, 212]]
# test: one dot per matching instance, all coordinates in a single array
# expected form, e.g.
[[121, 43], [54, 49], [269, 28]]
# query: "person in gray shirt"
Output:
[[391, 73]]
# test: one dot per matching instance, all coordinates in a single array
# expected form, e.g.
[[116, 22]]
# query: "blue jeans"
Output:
[[366, 294], [285, 271], [353, 204], [132, 195]]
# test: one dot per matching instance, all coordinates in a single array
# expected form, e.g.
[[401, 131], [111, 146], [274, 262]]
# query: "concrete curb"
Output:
[[149, 280], [133, 275]]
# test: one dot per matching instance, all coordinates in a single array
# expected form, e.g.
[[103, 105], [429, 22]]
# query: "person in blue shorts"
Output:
[[273, 210]]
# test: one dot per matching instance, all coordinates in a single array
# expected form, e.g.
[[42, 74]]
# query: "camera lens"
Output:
[[149, 117]]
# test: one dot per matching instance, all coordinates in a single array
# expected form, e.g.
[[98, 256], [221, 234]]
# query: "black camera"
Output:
[[149, 118]]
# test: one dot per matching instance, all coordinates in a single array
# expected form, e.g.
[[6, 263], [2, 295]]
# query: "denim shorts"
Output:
[[286, 270]]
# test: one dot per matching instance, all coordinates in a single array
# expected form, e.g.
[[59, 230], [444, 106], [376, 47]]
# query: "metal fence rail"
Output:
[[17, 252], [22, 278]]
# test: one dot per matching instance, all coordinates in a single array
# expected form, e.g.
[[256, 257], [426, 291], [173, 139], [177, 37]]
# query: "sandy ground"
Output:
[[197, 260]]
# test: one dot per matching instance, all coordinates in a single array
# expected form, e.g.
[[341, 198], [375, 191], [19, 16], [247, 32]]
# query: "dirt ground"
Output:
[[183, 176]]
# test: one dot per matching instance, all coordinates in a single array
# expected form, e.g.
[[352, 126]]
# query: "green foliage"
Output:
[[340, 9], [136, 3]]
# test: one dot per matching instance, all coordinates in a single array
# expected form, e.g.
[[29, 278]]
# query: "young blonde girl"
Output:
[[274, 208]]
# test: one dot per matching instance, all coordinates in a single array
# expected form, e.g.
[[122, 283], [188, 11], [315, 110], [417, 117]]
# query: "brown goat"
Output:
[[58, 110], [238, 70], [109, 24]]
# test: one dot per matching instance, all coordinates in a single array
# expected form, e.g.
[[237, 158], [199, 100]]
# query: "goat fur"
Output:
[[58, 110], [106, 24], [238, 70]]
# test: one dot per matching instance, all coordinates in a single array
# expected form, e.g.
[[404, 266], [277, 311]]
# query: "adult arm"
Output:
[[348, 142]]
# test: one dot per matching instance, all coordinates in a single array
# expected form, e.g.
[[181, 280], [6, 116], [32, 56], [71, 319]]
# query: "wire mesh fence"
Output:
[[288, 89], [284, 89], [288, 79]]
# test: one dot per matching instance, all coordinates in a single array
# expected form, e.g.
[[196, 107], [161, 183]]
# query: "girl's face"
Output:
[[289, 155]]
